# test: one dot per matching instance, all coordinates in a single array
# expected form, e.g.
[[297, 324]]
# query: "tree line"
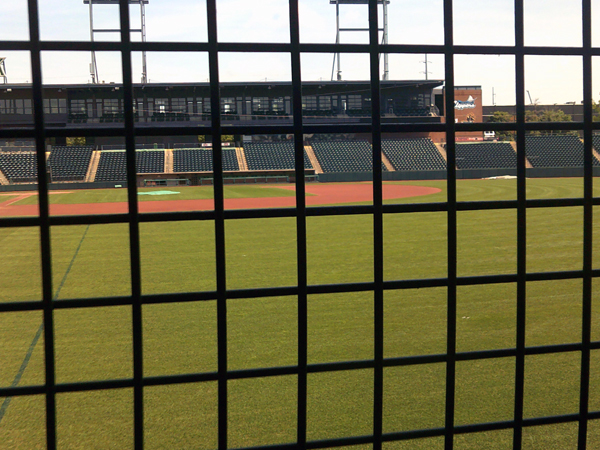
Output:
[[538, 115]]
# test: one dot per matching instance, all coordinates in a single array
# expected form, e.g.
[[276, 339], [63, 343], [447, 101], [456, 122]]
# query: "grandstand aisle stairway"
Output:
[[386, 162], [168, 161], [595, 147], [313, 159], [3, 179], [514, 146], [442, 151], [90, 176], [241, 158], [596, 154]]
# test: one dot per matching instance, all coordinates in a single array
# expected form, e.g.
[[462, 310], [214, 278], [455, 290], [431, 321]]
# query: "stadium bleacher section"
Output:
[[555, 151], [69, 163], [200, 160], [112, 165], [334, 155], [596, 142], [413, 154], [344, 156], [152, 161], [19, 167], [272, 156], [406, 112], [485, 155]]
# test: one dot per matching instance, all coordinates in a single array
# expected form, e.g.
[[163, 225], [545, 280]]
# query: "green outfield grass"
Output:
[[95, 343], [179, 193]]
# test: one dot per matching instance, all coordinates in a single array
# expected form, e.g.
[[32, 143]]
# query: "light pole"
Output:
[[384, 41], [93, 31]]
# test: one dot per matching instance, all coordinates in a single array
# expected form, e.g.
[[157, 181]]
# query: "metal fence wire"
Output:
[[377, 211]]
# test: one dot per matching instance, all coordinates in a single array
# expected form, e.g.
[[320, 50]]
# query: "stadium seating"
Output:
[[113, 167], [77, 117], [272, 156], [408, 112], [413, 154], [168, 117], [200, 160], [596, 142], [69, 163], [13, 147], [555, 151], [344, 156], [150, 161], [359, 112], [485, 155], [318, 113], [19, 167]]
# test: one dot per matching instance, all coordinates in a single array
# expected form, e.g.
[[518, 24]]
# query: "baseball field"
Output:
[[95, 343]]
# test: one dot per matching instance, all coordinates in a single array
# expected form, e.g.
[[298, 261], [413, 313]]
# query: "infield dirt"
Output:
[[320, 194]]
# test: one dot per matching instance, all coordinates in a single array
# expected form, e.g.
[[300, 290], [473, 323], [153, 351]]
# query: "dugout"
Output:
[[230, 177]]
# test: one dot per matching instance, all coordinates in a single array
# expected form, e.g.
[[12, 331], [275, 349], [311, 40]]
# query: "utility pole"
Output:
[[427, 72]]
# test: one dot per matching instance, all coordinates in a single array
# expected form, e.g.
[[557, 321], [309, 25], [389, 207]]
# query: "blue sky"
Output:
[[555, 79]]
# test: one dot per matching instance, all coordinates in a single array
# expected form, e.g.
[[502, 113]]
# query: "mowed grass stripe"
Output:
[[25, 363], [95, 343]]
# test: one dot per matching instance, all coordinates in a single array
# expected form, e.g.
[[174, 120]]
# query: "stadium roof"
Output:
[[113, 2], [250, 84], [355, 2]]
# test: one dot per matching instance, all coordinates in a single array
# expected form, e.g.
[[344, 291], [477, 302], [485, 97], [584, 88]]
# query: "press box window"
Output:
[[354, 102], [55, 105], [309, 102], [228, 105], [178, 105], [260, 104]]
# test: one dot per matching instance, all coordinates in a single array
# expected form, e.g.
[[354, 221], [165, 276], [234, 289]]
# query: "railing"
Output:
[[216, 388]]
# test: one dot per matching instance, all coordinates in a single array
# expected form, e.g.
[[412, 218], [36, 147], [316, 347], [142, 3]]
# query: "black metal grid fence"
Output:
[[377, 211]]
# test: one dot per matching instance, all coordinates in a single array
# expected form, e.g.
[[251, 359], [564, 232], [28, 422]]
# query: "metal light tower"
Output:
[[337, 3], [141, 30]]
